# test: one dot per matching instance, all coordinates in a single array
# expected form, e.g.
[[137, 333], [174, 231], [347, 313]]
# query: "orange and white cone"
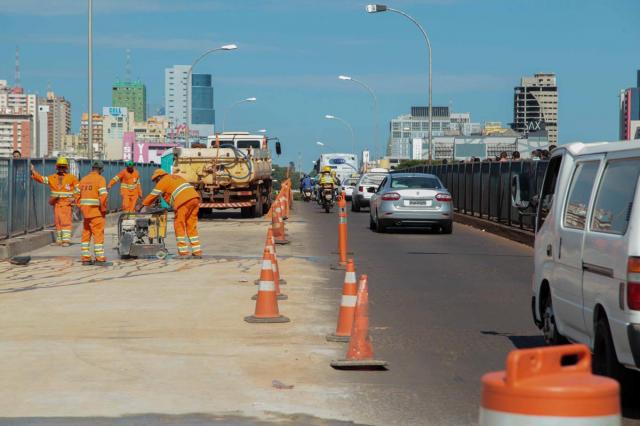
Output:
[[277, 224], [539, 388], [270, 245], [276, 279], [267, 299], [360, 351], [347, 306]]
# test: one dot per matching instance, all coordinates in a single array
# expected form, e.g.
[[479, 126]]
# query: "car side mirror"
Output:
[[520, 198], [371, 189], [278, 148]]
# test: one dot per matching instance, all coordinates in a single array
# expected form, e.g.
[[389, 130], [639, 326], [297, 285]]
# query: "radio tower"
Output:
[[17, 74], [127, 69]]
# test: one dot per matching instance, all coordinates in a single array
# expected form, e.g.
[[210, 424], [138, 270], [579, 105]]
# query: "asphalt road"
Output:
[[445, 309]]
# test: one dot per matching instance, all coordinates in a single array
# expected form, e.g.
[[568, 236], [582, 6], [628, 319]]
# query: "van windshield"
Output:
[[248, 144]]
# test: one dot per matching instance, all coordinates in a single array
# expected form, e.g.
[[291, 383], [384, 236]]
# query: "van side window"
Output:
[[614, 200], [549, 189], [575, 211]]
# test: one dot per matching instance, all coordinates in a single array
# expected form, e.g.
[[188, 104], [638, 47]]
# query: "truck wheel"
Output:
[[605, 361], [256, 211]]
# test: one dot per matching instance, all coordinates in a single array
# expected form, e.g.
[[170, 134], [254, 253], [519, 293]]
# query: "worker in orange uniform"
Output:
[[130, 188], [64, 189], [184, 199], [93, 204]]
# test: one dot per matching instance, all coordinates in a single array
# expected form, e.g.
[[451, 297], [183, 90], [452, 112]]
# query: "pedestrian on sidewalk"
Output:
[[185, 201], [130, 188], [93, 204], [64, 189]]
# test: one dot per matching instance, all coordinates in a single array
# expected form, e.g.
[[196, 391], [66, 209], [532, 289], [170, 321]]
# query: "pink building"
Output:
[[141, 151]]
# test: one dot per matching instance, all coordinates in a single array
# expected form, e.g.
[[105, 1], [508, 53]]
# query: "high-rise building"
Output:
[[14, 101], [535, 106], [630, 112], [175, 94], [16, 131], [41, 148], [200, 96], [58, 122], [203, 115], [131, 95], [96, 134], [115, 122]]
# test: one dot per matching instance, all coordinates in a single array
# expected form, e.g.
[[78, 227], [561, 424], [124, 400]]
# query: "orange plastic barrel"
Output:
[[549, 386]]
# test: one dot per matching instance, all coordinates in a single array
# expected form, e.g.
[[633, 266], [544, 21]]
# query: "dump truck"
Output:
[[233, 170]]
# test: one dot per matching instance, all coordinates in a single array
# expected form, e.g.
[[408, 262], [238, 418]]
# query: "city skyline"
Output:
[[476, 66]]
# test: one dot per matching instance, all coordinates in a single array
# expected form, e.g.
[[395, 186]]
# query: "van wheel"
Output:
[[605, 361], [549, 327]]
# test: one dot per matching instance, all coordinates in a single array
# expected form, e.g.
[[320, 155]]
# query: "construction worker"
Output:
[[185, 201], [130, 188], [64, 189], [93, 204]]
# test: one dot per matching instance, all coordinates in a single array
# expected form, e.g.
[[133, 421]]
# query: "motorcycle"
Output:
[[306, 195], [327, 197]]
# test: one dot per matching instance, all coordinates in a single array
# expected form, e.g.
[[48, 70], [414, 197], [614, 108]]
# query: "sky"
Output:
[[291, 52]]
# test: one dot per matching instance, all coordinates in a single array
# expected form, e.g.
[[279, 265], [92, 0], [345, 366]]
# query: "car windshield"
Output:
[[415, 182], [372, 180], [349, 182]]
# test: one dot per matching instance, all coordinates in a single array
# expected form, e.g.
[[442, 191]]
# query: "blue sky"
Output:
[[291, 52]]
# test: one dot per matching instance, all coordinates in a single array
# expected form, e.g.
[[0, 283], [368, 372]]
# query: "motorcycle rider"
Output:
[[305, 184]]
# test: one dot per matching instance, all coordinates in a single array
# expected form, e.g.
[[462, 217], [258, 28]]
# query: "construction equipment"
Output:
[[142, 235], [233, 171]]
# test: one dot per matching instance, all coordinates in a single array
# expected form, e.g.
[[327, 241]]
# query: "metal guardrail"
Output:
[[24, 203], [483, 189]]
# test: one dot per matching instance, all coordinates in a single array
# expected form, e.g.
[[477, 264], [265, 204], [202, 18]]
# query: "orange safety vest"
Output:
[[175, 190], [93, 195], [129, 182], [64, 188]]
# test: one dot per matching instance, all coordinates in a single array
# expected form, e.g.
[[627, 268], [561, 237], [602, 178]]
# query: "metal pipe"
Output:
[[90, 80]]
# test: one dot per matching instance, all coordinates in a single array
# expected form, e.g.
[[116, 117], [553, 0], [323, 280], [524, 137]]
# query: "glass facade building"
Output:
[[202, 111]]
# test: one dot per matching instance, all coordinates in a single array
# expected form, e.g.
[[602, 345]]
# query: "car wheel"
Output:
[[549, 327], [354, 205], [380, 226], [605, 361], [372, 223], [448, 228]]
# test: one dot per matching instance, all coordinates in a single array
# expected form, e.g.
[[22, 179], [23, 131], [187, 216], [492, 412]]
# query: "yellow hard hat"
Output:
[[326, 169], [62, 162], [158, 173]]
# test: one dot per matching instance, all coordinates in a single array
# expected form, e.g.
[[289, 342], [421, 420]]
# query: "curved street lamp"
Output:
[[224, 120], [376, 8], [375, 109], [198, 59], [353, 135]]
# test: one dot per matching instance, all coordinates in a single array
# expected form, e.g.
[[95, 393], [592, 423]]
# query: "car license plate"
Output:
[[418, 203]]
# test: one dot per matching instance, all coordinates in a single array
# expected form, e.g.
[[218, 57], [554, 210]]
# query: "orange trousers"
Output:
[[129, 200], [62, 217], [93, 227], [185, 225]]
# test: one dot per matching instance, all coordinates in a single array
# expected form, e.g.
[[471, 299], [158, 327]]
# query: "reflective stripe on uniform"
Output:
[[194, 239], [102, 191], [128, 186], [156, 192], [89, 202], [195, 247], [116, 178], [61, 194], [45, 180], [178, 190]]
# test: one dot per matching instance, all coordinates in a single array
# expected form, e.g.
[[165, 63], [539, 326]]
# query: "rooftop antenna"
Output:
[[127, 70], [17, 74]]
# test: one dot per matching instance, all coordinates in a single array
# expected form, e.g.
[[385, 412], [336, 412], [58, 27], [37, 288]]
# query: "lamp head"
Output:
[[319, 143], [344, 77], [229, 47], [329, 116], [251, 99], [375, 8]]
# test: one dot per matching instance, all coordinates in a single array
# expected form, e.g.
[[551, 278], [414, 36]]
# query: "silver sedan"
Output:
[[411, 199]]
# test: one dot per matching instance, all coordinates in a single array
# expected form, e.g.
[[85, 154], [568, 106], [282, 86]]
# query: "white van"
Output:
[[586, 284]]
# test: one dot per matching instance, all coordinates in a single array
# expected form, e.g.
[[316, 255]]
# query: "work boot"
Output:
[[87, 262], [66, 244], [197, 255]]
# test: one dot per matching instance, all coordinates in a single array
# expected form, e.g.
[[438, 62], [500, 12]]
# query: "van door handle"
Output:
[[550, 250]]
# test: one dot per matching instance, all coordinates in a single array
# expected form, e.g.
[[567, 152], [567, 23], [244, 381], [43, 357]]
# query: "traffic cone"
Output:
[[276, 279], [360, 351], [277, 225], [270, 245], [267, 300], [342, 233], [347, 306], [549, 386], [284, 204]]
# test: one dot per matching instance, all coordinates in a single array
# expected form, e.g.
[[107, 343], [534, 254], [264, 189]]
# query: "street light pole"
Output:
[[188, 83], [375, 110], [375, 8], [90, 80], [226, 111], [353, 135]]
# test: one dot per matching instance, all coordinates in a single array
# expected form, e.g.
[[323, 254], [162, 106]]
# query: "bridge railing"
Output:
[[24, 203], [483, 189]]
